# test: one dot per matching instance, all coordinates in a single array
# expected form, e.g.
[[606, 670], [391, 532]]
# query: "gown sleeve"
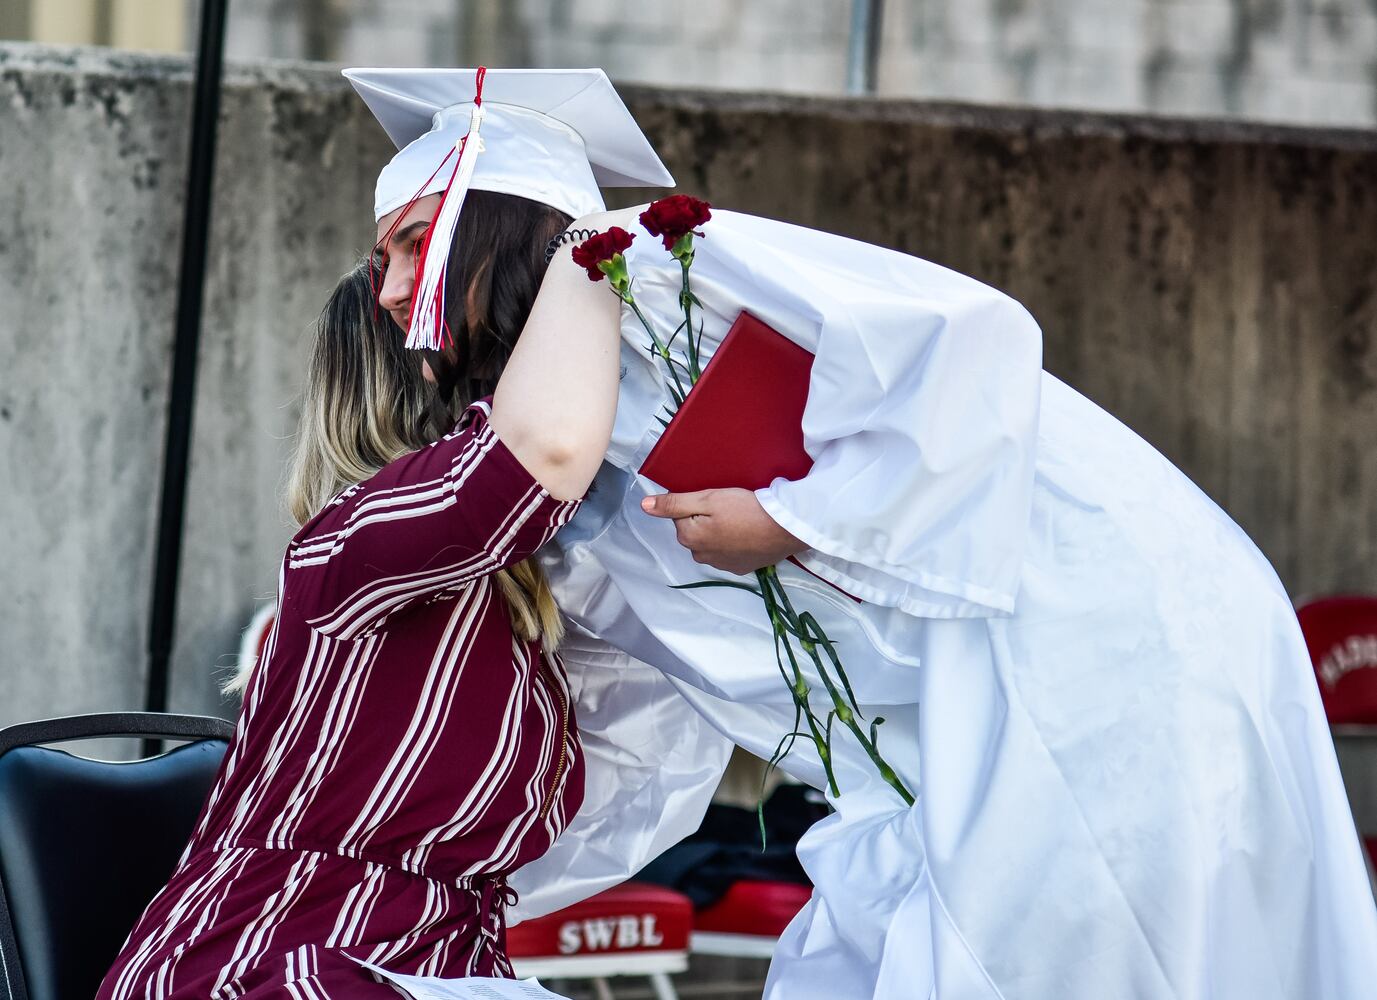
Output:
[[921, 421], [428, 522], [652, 764]]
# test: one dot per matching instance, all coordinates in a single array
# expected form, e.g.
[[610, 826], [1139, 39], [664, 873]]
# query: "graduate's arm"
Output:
[[651, 765], [919, 497], [556, 400]]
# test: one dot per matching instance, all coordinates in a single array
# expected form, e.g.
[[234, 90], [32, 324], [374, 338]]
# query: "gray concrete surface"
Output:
[[1301, 61], [92, 154], [1212, 284]]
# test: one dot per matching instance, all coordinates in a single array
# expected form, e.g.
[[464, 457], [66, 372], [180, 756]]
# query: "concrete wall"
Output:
[[92, 155], [1303, 61], [1214, 285]]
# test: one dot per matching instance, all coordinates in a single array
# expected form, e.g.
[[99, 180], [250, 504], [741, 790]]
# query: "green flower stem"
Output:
[[807, 621], [811, 636], [683, 368], [793, 675], [868, 742], [686, 301], [787, 625], [675, 336], [660, 348]]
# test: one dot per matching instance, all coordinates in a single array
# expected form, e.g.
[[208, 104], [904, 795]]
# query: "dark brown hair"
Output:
[[495, 268]]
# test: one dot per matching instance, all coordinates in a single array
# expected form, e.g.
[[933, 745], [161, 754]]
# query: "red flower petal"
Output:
[[600, 247], [670, 218]]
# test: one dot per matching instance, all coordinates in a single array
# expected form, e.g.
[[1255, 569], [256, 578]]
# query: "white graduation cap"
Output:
[[553, 136]]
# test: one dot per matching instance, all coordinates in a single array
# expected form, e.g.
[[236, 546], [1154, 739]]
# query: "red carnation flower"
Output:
[[675, 217], [602, 248]]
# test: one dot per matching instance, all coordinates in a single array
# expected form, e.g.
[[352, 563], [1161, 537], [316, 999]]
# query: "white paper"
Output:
[[466, 988]]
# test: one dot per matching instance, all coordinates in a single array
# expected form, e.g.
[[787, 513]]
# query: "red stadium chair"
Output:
[[255, 637], [747, 921], [1341, 634], [630, 930]]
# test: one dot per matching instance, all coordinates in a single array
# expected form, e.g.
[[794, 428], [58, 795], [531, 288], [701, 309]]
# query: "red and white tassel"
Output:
[[427, 329]]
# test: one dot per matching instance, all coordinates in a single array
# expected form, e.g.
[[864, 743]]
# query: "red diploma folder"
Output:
[[742, 423]]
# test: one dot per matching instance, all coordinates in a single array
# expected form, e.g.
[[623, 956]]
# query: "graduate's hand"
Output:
[[726, 529]]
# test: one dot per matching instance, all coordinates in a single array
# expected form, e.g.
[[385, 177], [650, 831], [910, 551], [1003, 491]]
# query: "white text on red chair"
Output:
[[617, 933], [1355, 653]]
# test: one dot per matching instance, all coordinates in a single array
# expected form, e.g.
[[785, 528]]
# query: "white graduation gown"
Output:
[[1091, 678]]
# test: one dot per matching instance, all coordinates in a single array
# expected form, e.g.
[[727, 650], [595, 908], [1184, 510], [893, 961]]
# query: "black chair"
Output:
[[86, 844]]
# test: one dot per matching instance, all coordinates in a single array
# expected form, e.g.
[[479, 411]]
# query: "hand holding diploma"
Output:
[[725, 528]]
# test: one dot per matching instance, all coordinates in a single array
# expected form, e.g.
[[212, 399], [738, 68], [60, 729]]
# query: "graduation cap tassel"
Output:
[[376, 274], [427, 328]]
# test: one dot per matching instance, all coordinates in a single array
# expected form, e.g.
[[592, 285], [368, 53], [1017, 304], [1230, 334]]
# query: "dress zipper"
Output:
[[563, 739]]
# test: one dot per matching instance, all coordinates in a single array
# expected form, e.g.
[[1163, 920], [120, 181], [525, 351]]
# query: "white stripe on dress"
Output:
[[489, 782], [385, 951], [310, 683], [373, 601], [532, 791], [258, 934], [155, 941], [403, 493], [210, 913], [329, 741], [453, 648], [434, 496], [483, 788], [433, 965], [377, 597], [355, 903]]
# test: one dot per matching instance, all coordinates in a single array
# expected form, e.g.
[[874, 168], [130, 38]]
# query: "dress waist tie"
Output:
[[494, 896]]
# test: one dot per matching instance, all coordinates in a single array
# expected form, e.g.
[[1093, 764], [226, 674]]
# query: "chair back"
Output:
[[1341, 634], [632, 929], [86, 844]]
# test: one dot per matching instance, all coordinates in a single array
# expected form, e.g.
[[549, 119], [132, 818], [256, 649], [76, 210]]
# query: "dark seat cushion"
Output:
[[84, 846]]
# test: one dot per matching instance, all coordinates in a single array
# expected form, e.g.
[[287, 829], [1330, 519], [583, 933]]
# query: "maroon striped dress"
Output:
[[399, 751]]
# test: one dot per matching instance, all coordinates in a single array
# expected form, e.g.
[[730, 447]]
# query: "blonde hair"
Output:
[[365, 403]]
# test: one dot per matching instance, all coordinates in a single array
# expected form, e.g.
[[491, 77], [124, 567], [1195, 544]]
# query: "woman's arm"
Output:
[[429, 522], [556, 400]]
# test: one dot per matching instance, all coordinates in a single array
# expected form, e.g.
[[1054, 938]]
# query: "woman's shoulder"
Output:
[[403, 472]]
